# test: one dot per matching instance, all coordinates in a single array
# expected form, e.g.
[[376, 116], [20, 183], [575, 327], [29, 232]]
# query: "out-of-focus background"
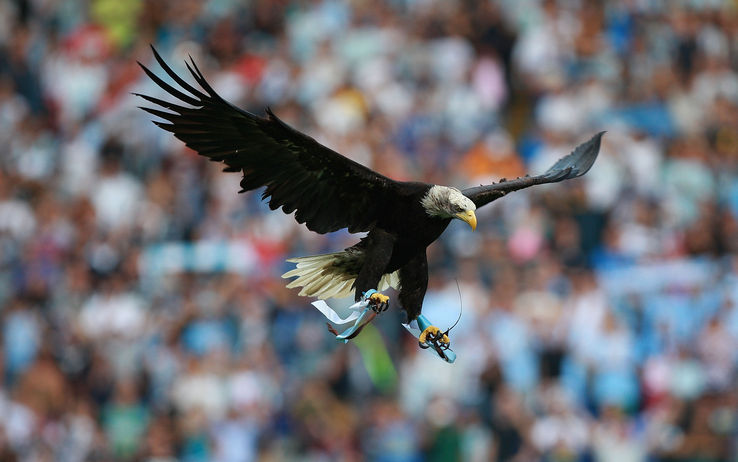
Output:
[[142, 316]]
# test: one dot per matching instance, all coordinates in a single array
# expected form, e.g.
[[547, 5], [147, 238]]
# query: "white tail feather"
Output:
[[319, 276]]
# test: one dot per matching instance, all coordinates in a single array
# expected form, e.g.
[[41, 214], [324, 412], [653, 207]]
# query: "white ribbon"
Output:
[[334, 317]]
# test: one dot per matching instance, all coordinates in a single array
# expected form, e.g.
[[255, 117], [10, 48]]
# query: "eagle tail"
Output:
[[332, 275]]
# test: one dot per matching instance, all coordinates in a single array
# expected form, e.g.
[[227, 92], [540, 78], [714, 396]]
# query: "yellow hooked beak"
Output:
[[469, 217]]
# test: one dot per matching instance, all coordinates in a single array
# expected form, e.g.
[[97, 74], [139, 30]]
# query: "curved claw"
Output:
[[379, 302], [432, 336], [379, 298]]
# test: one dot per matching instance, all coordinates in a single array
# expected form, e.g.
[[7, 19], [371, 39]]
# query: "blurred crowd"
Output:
[[142, 316]]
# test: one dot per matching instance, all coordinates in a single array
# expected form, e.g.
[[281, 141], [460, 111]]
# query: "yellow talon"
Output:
[[430, 330], [379, 298]]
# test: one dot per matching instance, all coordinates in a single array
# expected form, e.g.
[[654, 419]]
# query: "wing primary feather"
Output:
[[201, 79], [582, 158], [170, 89], [164, 115], [171, 128], [174, 75], [162, 103]]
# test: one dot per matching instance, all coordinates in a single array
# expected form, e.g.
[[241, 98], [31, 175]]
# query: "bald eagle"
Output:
[[328, 192]]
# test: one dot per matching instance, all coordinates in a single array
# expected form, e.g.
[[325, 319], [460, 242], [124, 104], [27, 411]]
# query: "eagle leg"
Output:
[[377, 255]]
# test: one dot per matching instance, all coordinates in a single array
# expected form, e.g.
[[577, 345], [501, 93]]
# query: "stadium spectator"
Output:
[[141, 312]]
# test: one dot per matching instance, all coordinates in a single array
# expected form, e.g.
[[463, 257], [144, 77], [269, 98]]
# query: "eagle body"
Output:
[[328, 192], [410, 222], [394, 249]]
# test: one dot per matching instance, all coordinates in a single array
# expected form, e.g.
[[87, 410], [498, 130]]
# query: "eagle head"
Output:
[[446, 202]]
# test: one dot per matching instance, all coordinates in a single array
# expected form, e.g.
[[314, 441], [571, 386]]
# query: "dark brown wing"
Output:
[[327, 190], [571, 166]]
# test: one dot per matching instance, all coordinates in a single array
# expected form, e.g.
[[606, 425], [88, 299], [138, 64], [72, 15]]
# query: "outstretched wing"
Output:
[[327, 190], [571, 166]]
